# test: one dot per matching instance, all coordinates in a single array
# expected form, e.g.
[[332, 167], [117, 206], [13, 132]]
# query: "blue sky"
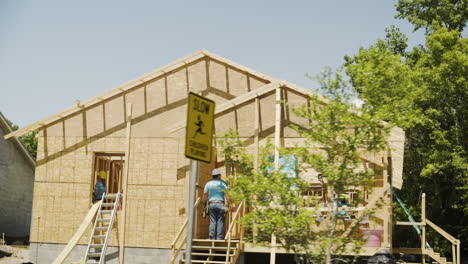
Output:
[[54, 52]]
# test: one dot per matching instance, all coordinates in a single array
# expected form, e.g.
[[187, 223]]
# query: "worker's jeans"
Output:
[[216, 211]]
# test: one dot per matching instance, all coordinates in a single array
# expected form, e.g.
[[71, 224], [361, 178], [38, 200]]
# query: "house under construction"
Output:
[[135, 132]]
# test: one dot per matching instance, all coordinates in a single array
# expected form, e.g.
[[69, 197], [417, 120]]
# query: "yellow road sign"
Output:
[[199, 129]]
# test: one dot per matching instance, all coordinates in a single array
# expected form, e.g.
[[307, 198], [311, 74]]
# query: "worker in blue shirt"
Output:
[[217, 198], [100, 188]]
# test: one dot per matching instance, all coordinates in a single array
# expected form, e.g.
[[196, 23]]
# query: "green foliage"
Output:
[[434, 14], [425, 92], [29, 140], [333, 145]]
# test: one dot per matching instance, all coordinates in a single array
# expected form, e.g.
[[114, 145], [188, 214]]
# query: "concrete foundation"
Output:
[[44, 253]]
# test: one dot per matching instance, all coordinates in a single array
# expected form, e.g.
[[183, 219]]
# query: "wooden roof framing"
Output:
[[135, 83], [251, 96]]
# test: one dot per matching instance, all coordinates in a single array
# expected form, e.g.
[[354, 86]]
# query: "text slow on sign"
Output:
[[199, 133]]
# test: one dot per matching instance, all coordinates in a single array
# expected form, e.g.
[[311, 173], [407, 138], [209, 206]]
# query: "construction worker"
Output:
[[100, 188], [217, 198]]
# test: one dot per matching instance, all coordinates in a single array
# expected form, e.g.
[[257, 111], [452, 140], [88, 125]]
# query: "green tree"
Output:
[[333, 146], [425, 92], [29, 140], [434, 14]]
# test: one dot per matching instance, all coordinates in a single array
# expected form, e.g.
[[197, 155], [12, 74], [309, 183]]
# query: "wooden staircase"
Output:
[[425, 250], [436, 256], [214, 251]]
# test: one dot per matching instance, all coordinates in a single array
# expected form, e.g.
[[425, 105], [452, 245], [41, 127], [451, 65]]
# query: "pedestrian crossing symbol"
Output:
[[199, 129]]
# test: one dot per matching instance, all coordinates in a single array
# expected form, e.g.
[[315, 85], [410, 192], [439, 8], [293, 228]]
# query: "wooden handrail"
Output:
[[176, 249], [442, 232], [455, 242], [229, 232]]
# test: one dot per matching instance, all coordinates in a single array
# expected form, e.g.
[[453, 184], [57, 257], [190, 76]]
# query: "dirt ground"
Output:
[[20, 255]]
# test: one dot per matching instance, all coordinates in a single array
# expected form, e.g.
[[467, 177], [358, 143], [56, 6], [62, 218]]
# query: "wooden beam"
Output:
[[403, 223], [423, 227], [78, 234], [277, 156], [415, 251], [273, 249], [256, 132], [277, 126], [125, 183]]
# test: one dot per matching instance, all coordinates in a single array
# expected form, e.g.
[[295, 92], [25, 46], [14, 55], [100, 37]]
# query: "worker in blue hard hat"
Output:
[[218, 200]]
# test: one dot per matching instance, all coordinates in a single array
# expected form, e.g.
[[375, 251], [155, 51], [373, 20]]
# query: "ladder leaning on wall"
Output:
[[100, 235]]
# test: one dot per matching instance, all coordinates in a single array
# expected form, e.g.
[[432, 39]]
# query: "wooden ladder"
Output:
[[100, 235], [214, 251]]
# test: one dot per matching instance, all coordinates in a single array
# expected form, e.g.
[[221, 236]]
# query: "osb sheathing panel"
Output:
[[137, 99], [156, 94], [115, 114], [267, 113], [74, 126], [95, 120], [397, 146], [156, 126], [177, 86], [245, 122], [217, 77], [225, 122], [197, 77], [154, 215], [293, 100], [256, 83], [237, 82]]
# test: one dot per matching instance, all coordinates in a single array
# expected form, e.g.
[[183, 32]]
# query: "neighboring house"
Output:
[[76, 144], [16, 186]]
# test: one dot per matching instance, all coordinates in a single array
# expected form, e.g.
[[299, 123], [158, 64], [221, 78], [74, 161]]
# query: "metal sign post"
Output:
[[191, 212], [198, 146]]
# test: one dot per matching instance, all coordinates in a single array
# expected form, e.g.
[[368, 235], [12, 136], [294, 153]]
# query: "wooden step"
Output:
[[214, 240], [93, 255], [205, 261], [211, 254], [210, 247]]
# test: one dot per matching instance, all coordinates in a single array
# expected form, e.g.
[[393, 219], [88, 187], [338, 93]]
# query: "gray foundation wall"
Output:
[[43, 253]]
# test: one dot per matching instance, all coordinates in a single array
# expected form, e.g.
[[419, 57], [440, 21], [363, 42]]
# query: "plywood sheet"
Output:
[[217, 76], [137, 99], [177, 86], [197, 77], [238, 83], [115, 112]]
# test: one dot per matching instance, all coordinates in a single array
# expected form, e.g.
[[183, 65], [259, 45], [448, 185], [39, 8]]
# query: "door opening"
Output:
[[112, 164]]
